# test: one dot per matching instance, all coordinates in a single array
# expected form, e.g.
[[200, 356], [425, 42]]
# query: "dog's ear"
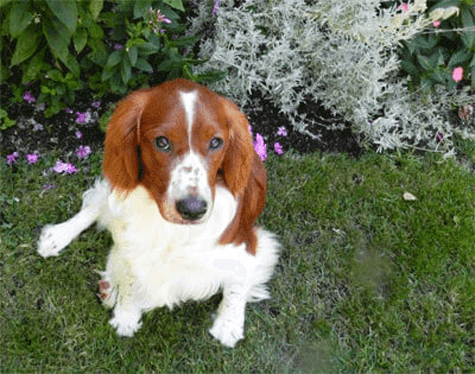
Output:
[[237, 163], [121, 149], [245, 176]]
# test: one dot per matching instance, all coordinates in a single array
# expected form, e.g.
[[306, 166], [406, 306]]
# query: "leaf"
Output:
[[143, 65], [125, 71], [57, 37], [96, 6], [133, 54], [20, 17], [113, 59], [459, 58], [26, 45], [409, 197], [176, 4], [66, 12], [80, 39]]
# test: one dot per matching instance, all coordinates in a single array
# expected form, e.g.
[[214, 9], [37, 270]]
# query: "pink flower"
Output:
[[215, 8], [32, 159], [82, 152], [436, 23], [278, 148], [282, 131], [260, 147], [457, 74], [404, 7], [61, 167], [29, 97], [78, 134], [250, 129], [12, 158], [83, 117]]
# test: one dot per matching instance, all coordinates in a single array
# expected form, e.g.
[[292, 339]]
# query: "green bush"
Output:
[[109, 47], [344, 54], [432, 57]]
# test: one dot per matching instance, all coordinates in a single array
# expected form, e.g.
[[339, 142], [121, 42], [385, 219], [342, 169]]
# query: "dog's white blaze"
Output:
[[189, 103]]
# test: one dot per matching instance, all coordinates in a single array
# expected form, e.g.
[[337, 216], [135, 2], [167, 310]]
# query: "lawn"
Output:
[[368, 280]]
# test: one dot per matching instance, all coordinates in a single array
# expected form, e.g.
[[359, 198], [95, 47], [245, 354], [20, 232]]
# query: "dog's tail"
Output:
[[54, 238]]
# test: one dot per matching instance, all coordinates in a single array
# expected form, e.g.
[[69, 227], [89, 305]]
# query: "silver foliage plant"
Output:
[[342, 53]]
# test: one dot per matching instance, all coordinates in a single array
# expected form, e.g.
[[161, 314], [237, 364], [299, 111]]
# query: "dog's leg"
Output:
[[228, 326], [126, 319], [55, 238]]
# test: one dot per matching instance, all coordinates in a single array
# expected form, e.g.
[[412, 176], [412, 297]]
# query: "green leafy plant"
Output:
[[445, 54], [5, 122], [58, 91]]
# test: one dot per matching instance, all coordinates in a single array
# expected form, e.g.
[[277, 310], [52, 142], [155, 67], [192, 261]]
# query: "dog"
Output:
[[181, 190]]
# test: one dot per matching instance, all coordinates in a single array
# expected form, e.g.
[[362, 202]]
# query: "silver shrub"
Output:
[[342, 53]]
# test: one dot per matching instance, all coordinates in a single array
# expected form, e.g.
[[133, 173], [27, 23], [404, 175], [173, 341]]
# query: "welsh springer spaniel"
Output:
[[183, 187]]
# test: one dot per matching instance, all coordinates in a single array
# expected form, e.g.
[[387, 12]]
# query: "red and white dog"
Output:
[[183, 187]]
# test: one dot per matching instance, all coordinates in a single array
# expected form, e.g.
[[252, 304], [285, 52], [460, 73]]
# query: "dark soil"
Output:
[[33, 133]]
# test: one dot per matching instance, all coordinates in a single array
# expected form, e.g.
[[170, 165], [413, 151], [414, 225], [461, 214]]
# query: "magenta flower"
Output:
[[282, 131], [250, 129], [457, 74], [32, 159], [404, 7], [260, 147], [12, 158], [83, 117], [83, 152], [96, 104], [69, 111], [215, 8], [117, 47], [78, 134], [61, 167], [278, 148], [29, 97]]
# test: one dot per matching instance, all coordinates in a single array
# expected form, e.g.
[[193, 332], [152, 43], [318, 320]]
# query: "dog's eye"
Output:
[[215, 143], [162, 143]]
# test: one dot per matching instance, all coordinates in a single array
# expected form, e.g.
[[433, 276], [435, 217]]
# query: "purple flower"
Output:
[[215, 8], [37, 126], [250, 129], [82, 152], [32, 159], [282, 131], [12, 158], [117, 47], [47, 186], [69, 111], [83, 117], [61, 167], [278, 148], [96, 104], [29, 97], [78, 134], [260, 147]]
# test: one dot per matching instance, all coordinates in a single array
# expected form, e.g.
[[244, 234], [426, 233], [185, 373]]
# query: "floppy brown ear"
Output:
[[121, 153], [246, 177], [237, 163]]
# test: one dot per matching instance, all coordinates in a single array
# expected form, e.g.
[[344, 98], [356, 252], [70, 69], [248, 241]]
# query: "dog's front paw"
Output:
[[227, 331], [52, 241], [126, 323]]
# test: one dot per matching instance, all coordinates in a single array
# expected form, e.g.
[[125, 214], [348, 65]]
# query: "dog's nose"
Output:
[[191, 207]]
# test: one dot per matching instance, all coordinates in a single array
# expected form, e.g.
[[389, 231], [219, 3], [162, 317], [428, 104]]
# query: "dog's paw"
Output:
[[52, 241], [126, 323], [227, 331]]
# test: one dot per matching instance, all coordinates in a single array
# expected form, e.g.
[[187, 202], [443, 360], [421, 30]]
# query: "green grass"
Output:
[[367, 282]]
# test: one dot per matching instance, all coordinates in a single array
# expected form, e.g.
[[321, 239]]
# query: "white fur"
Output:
[[155, 263]]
